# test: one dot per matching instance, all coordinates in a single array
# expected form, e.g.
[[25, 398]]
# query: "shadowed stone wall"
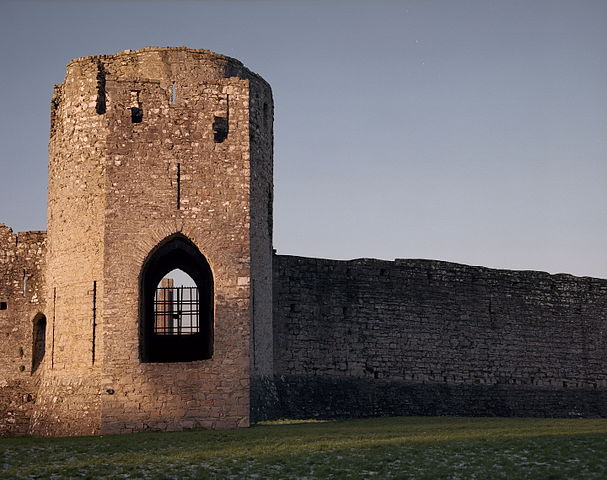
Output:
[[22, 259], [366, 337]]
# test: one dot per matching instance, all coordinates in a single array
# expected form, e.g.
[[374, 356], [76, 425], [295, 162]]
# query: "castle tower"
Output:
[[160, 159]]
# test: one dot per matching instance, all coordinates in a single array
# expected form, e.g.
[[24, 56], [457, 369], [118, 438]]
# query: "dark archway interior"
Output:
[[176, 253], [39, 341]]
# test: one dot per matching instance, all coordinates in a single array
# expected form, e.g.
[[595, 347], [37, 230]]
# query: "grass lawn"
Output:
[[430, 448]]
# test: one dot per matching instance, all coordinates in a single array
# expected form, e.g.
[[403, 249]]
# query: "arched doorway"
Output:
[[176, 303]]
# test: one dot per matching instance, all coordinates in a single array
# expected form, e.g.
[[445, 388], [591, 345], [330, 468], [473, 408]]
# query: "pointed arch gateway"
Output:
[[176, 325]]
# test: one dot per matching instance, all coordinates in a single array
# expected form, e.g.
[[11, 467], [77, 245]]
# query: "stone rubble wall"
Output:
[[22, 259], [365, 336]]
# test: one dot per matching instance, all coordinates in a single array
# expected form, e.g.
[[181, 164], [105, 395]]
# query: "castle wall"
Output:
[[162, 143], [22, 264], [366, 337]]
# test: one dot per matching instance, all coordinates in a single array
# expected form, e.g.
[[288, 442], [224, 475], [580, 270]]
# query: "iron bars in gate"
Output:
[[176, 310]]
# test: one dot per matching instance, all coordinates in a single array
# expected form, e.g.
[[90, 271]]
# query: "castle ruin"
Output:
[[160, 160]]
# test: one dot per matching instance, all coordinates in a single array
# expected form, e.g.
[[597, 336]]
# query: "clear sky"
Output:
[[472, 131]]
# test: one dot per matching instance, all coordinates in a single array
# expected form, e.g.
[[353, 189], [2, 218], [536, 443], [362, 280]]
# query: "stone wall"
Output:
[[22, 259], [76, 210], [261, 113], [363, 337]]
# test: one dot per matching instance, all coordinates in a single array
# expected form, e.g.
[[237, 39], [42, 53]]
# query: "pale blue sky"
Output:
[[472, 131]]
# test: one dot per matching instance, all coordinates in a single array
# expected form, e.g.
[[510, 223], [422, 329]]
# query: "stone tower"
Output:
[[160, 158]]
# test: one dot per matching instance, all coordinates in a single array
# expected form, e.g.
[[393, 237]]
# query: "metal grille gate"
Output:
[[176, 311]]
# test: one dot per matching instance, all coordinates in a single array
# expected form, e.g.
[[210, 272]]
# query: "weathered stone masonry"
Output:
[[161, 158], [367, 337], [22, 260]]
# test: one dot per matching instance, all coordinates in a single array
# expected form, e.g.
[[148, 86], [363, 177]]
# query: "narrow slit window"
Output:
[[93, 347], [221, 121], [39, 337], [136, 110], [100, 106], [136, 115], [178, 186], [26, 277], [173, 93], [220, 129]]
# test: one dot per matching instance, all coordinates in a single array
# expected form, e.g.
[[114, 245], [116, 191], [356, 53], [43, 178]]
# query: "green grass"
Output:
[[417, 448]]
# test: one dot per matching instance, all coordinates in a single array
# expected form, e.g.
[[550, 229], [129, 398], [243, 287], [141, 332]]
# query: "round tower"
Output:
[[160, 161]]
